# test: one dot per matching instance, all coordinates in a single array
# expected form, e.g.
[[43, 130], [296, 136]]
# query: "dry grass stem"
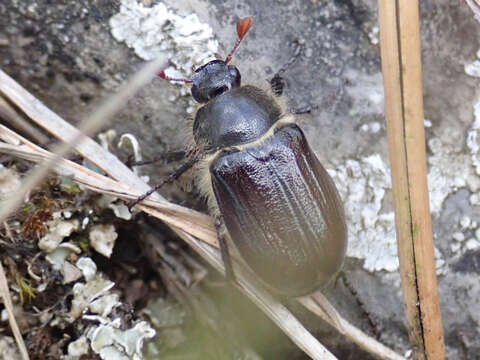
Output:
[[475, 6], [8, 113], [320, 306], [7, 301], [401, 66]]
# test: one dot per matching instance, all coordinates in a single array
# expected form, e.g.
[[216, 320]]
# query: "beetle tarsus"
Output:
[[361, 305], [303, 110], [277, 83]]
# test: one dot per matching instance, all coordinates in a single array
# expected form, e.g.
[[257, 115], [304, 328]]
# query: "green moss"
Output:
[[83, 244], [70, 188], [27, 292]]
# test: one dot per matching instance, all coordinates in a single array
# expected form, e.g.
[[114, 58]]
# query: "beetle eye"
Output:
[[233, 72], [234, 75]]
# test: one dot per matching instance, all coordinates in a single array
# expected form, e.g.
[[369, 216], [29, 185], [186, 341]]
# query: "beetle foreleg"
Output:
[[277, 84], [172, 177], [222, 241], [303, 110]]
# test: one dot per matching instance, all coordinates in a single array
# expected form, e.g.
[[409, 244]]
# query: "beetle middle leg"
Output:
[[168, 157], [172, 177], [222, 241], [277, 83]]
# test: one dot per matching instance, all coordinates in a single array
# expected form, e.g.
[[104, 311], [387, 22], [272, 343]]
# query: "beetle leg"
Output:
[[167, 157], [302, 110], [172, 177], [222, 241], [276, 82], [360, 304]]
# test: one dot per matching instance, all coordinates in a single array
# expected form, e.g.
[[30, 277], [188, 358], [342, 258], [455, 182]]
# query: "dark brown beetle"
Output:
[[267, 190]]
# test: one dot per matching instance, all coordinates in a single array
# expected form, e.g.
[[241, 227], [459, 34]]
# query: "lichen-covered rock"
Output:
[[67, 57]]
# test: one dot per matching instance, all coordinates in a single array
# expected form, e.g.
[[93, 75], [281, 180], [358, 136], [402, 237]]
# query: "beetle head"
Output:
[[213, 79]]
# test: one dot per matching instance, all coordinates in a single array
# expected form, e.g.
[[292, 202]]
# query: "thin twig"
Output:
[[401, 66], [7, 300]]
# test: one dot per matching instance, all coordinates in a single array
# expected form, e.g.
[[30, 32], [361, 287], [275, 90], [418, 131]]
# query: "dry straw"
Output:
[[402, 73]]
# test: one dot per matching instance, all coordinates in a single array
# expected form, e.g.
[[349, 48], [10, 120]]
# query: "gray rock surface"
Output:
[[66, 55]]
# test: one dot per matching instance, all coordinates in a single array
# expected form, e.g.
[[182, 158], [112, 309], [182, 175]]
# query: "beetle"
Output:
[[269, 194]]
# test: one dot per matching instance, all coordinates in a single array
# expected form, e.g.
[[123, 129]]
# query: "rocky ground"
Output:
[[71, 55]]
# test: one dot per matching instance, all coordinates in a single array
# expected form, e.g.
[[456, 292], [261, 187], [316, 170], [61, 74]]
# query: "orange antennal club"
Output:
[[243, 25]]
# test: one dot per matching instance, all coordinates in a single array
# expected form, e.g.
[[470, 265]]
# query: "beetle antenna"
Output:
[[164, 76], [243, 25]]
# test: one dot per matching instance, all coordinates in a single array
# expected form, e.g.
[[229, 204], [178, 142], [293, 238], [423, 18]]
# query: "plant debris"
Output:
[[67, 306]]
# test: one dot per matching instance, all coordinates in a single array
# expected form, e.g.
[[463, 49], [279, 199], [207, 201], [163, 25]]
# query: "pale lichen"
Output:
[[102, 238], [363, 184], [107, 337], [473, 68], [112, 343], [58, 229], [8, 349], [84, 294], [157, 31]]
